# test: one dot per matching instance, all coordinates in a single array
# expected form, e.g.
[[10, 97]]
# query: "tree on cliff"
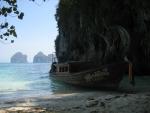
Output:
[[9, 8]]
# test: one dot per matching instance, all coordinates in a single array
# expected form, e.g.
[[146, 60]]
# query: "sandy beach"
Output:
[[132, 100], [87, 102]]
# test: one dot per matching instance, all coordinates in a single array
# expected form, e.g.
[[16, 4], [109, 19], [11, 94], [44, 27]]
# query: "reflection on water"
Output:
[[30, 80], [142, 84], [59, 87], [13, 86]]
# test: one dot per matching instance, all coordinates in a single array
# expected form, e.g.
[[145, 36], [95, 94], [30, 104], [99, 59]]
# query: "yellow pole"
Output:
[[130, 72], [131, 77]]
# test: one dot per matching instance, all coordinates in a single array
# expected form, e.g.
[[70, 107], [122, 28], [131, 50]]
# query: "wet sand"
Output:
[[87, 102], [132, 100]]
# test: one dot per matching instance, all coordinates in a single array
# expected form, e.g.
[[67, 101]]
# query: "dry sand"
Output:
[[87, 102], [130, 101]]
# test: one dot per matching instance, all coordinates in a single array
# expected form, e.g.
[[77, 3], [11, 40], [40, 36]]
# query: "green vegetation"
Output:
[[9, 8]]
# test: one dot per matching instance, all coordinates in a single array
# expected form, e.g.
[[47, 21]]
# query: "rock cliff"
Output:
[[19, 58], [41, 58], [104, 31]]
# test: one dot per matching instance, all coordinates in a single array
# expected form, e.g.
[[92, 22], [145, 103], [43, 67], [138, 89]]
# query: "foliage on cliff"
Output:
[[104, 31]]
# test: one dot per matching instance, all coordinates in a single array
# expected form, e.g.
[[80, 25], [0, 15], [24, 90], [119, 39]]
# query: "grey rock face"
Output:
[[19, 58], [104, 32], [41, 58]]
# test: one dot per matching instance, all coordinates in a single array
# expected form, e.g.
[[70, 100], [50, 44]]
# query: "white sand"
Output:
[[135, 100], [87, 102]]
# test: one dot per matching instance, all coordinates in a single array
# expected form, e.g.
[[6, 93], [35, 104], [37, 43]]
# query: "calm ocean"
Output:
[[24, 80], [32, 80], [29, 80]]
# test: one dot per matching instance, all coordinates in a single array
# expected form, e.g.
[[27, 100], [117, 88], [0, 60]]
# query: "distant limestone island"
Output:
[[19, 58], [42, 58]]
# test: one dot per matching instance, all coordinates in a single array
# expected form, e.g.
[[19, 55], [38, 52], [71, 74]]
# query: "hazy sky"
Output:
[[36, 32]]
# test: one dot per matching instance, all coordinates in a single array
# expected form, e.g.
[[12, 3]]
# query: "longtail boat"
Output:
[[88, 75]]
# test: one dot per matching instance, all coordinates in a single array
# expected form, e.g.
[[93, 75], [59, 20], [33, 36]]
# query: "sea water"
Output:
[[32, 80], [24, 80], [29, 80]]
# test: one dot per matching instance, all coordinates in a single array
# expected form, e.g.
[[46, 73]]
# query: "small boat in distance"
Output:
[[89, 75]]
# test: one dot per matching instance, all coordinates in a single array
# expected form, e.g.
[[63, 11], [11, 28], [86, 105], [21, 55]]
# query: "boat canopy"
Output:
[[74, 66]]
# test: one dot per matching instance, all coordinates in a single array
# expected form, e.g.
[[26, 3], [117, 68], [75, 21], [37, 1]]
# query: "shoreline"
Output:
[[127, 99], [84, 102]]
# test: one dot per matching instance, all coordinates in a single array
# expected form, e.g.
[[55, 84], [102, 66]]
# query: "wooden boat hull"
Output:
[[108, 76]]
